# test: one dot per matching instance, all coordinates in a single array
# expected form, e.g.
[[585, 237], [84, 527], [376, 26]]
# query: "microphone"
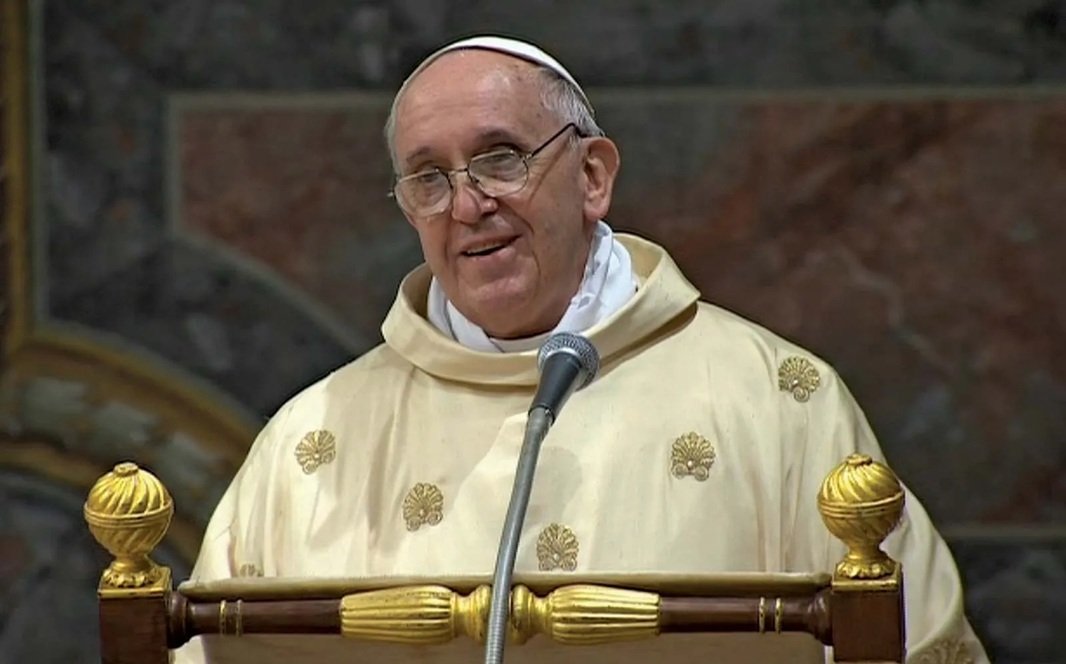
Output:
[[567, 363]]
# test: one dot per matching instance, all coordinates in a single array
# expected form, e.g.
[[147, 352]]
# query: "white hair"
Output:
[[563, 99], [559, 97]]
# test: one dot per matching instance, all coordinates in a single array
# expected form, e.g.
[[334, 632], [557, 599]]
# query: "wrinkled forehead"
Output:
[[470, 74], [467, 91]]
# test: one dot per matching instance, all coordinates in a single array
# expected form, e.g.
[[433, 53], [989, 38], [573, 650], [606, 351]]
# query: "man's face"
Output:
[[509, 264]]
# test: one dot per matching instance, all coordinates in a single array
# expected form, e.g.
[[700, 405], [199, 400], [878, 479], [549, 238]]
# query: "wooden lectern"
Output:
[[858, 610]]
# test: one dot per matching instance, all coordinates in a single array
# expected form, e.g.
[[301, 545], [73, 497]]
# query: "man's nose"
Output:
[[469, 203]]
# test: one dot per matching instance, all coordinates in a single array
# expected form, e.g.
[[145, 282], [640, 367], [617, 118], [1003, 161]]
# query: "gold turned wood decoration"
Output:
[[764, 610], [584, 614], [423, 615], [128, 511], [798, 376], [692, 454], [557, 548], [861, 502], [945, 651], [429, 615], [315, 449], [231, 617], [423, 505]]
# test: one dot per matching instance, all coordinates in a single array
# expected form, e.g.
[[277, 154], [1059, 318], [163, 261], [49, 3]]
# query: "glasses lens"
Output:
[[499, 173], [423, 193]]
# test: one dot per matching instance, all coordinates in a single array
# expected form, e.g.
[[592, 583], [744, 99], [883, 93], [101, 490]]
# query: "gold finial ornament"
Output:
[[861, 502], [128, 511]]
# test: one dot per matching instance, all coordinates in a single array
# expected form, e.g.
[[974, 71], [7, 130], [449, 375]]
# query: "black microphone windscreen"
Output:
[[576, 345]]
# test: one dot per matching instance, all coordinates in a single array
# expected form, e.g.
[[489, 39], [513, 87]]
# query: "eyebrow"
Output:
[[487, 137]]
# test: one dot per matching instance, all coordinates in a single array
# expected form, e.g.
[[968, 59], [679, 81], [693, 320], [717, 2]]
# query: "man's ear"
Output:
[[601, 167]]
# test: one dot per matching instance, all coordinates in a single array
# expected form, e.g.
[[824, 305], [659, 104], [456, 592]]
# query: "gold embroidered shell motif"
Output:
[[946, 651], [798, 376], [692, 454], [557, 548], [424, 504], [317, 448], [248, 570]]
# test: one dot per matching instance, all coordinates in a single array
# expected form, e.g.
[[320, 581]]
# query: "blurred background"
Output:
[[195, 227]]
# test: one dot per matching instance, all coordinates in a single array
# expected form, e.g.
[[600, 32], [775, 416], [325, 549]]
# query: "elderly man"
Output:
[[700, 447]]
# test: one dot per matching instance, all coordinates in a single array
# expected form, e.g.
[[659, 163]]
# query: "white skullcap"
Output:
[[518, 49]]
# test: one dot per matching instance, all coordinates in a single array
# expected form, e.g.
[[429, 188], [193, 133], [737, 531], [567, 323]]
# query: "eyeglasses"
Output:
[[497, 173]]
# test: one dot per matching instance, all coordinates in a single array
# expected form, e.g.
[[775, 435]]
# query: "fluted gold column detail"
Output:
[[128, 511], [861, 502], [584, 614], [423, 615]]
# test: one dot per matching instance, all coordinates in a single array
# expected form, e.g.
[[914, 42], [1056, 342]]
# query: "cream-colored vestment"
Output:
[[402, 461]]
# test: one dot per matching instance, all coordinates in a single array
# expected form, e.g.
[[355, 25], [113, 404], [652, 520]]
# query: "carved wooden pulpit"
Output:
[[857, 610]]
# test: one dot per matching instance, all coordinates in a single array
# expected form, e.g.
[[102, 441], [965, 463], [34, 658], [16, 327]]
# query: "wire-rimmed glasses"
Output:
[[496, 173]]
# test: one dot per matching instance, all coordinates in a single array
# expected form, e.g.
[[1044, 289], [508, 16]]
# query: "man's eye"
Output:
[[497, 158], [430, 179], [499, 164]]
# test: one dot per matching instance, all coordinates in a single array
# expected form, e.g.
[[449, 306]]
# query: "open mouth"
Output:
[[487, 249]]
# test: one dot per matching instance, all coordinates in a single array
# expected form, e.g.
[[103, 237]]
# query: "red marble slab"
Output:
[[303, 194]]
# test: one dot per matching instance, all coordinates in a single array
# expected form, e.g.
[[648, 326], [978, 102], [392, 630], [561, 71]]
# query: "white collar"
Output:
[[607, 285]]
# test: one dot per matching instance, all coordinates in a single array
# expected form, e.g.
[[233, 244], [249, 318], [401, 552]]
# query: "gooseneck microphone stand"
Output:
[[567, 363]]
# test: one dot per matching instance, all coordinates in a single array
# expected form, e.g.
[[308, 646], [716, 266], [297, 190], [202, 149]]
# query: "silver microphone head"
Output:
[[575, 345]]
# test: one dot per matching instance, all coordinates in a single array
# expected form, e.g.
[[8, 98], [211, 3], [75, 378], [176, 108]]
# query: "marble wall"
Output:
[[878, 180]]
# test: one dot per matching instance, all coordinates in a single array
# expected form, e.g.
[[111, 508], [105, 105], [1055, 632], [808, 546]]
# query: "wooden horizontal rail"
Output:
[[188, 618]]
